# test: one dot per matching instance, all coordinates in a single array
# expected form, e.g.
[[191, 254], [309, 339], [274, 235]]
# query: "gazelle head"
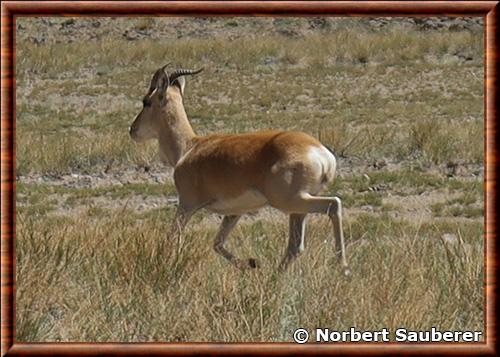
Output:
[[158, 102]]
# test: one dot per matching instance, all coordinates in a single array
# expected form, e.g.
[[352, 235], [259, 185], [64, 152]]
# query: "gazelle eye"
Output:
[[146, 102]]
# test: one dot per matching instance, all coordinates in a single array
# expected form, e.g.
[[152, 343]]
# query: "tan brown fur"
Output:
[[248, 159]]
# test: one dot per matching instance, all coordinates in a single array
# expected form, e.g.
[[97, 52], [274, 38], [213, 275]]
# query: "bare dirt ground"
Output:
[[410, 206]]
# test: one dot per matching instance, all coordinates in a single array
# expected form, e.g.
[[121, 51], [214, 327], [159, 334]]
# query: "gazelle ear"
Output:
[[162, 84], [181, 83], [160, 80]]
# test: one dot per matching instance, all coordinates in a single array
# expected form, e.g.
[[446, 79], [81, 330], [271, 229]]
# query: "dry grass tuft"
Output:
[[127, 282]]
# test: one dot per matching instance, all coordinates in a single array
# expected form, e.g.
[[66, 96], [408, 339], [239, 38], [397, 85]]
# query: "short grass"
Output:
[[94, 262]]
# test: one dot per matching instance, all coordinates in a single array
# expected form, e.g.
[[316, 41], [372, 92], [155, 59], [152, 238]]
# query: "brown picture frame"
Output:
[[11, 9]]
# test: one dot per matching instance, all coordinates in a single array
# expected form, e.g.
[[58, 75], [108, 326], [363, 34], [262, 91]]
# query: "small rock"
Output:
[[101, 71], [38, 39], [131, 36], [451, 167], [269, 61], [377, 188], [68, 22], [48, 22], [379, 164], [319, 22], [449, 238]]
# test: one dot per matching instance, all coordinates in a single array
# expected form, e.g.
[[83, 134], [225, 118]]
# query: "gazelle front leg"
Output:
[[227, 225], [181, 218], [295, 239]]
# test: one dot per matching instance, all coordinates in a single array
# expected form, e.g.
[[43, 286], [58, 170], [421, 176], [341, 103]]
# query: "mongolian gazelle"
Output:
[[236, 174]]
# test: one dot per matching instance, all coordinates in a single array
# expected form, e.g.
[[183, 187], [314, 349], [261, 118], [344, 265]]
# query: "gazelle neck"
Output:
[[176, 136]]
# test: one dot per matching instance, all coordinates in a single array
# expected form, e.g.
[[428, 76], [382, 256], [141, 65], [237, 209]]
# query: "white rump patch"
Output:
[[324, 160]]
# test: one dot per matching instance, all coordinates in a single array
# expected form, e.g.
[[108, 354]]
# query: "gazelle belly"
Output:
[[248, 201]]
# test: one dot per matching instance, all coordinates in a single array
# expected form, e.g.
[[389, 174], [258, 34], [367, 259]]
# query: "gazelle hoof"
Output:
[[253, 264]]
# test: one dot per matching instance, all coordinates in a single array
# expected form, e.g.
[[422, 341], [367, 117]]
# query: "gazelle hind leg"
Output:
[[227, 225], [295, 239], [332, 206], [336, 218]]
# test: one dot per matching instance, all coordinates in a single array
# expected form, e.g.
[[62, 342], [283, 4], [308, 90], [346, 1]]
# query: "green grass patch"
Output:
[[37, 191]]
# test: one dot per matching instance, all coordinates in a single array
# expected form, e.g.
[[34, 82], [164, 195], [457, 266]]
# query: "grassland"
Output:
[[403, 110]]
